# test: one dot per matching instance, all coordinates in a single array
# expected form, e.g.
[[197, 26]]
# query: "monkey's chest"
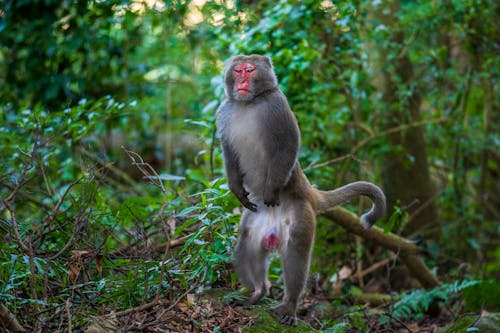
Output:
[[249, 145]]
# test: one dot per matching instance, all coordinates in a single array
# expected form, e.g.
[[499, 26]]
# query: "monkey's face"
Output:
[[246, 77], [243, 74]]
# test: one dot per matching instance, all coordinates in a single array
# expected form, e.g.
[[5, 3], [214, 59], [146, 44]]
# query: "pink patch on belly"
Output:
[[271, 241]]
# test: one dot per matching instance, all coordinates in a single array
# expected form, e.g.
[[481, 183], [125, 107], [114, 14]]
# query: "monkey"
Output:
[[260, 141]]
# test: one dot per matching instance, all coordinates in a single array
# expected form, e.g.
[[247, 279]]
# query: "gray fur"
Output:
[[260, 142]]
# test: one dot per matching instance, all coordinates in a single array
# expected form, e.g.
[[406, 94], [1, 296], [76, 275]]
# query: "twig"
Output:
[[55, 209], [34, 294], [68, 313], [145, 168], [139, 308], [28, 197], [332, 161], [77, 221], [9, 321], [15, 227], [173, 243], [399, 321], [26, 168], [359, 275]]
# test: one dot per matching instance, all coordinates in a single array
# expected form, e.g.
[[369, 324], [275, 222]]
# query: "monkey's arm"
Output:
[[282, 142], [235, 177]]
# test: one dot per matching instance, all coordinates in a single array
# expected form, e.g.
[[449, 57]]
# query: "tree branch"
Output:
[[9, 321], [409, 251]]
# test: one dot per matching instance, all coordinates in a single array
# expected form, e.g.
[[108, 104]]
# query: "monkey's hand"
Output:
[[243, 198], [272, 198]]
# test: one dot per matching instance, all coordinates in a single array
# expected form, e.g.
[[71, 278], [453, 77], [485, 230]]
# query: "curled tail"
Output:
[[329, 199]]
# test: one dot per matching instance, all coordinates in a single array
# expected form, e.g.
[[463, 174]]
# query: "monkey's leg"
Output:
[[295, 261], [251, 259]]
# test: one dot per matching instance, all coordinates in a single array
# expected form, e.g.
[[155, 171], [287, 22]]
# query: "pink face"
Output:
[[243, 73]]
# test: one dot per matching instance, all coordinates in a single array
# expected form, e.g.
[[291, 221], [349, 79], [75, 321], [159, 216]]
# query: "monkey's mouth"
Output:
[[243, 91]]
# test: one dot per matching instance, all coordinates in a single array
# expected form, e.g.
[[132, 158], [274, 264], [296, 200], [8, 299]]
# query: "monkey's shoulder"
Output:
[[224, 107], [272, 98]]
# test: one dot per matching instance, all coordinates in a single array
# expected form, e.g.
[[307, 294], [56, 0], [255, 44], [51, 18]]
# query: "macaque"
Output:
[[260, 141]]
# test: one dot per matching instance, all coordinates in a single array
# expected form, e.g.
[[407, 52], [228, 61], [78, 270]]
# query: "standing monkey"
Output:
[[260, 142]]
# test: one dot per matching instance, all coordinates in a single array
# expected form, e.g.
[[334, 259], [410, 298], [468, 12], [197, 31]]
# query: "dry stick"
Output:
[[136, 309], [172, 243], [332, 161], [22, 178], [151, 304], [28, 197], [409, 251], [374, 267], [15, 227], [9, 321], [68, 313]]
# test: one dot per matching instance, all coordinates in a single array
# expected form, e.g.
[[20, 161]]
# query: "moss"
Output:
[[268, 323], [489, 323]]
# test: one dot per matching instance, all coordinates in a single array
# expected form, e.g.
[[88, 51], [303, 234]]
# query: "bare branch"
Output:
[[9, 321]]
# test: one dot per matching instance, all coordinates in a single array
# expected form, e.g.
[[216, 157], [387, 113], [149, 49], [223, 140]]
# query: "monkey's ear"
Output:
[[268, 61], [230, 60]]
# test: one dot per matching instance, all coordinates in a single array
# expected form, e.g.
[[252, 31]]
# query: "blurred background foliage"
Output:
[[401, 93]]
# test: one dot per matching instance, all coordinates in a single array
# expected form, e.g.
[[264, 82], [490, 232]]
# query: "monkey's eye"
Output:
[[237, 69]]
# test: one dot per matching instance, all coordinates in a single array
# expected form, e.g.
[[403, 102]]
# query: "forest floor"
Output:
[[206, 312]]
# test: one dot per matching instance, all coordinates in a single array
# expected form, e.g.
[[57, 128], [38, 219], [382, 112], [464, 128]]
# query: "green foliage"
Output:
[[415, 303], [80, 80], [397, 219], [339, 328], [48, 45], [483, 295], [82, 223]]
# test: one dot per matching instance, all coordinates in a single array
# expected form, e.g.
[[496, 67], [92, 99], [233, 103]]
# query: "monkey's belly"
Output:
[[270, 227]]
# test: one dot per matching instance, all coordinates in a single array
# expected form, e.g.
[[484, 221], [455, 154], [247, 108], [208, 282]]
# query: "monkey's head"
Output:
[[246, 77]]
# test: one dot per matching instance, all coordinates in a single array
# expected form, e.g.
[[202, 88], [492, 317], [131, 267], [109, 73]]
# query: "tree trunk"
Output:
[[406, 175]]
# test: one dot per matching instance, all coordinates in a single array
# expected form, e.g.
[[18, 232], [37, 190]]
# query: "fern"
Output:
[[339, 328], [413, 304]]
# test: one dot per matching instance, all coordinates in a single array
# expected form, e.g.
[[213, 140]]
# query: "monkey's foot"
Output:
[[285, 314]]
